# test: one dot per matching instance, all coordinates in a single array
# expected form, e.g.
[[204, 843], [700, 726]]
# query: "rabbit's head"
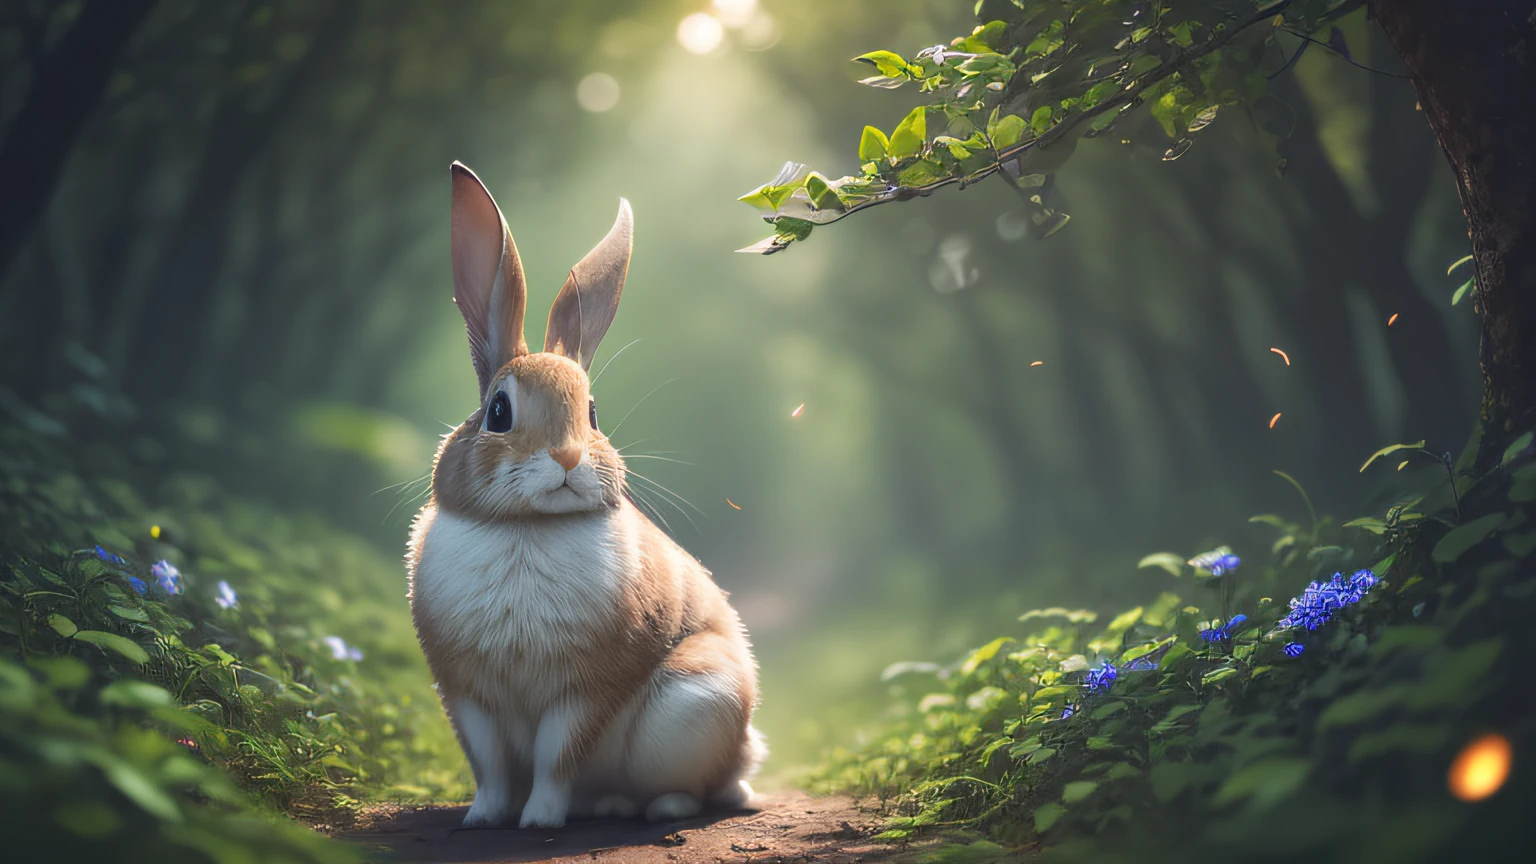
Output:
[[533, 446]]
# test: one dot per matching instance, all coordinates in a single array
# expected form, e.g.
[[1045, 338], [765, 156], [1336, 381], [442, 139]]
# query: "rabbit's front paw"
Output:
[[488, 811], [545, 808]]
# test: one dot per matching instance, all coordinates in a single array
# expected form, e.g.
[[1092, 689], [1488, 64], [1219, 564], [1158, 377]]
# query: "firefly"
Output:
[[1283, 355], [734, 505], [1037, 363], [154, 532], [796, 412], [1393, 318], [1481, 768], [1274, 419]]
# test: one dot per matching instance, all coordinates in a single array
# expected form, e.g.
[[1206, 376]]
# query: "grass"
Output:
[[166, 726]]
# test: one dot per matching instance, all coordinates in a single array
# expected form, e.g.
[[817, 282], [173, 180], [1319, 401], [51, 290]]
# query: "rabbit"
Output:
[[589, 665]]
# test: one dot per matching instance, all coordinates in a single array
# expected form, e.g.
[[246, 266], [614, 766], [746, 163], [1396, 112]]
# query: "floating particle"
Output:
[[1480, 768], [734, 505], [1283, 356], [796, 412], [1392, 319], [1274, 420], [1037, 363], [226, 598]]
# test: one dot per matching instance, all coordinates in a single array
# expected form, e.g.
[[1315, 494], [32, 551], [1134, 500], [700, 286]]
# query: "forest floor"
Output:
[[781, 828]]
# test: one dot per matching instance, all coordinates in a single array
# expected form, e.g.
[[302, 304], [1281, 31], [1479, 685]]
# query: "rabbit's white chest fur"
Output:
[[523, 602]]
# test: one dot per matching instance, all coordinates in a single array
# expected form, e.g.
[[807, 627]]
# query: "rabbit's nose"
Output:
[[566, 457]]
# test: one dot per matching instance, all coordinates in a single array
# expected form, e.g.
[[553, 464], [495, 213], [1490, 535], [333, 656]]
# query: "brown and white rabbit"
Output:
[[589, 664]]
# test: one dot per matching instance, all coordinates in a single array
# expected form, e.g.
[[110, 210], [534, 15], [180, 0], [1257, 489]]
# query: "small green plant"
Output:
[[1015, 96], [1173, 728]]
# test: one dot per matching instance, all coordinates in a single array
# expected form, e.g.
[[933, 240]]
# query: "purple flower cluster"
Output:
[[167, 577], [1216, 562], [1224, 632], [1099, 679], [109, 557], [1067, 712], [340, 650], [1317, 604]]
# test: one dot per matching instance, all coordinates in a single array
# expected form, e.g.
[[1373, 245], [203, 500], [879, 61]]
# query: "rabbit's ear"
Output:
[[586, 305], [488, 281]]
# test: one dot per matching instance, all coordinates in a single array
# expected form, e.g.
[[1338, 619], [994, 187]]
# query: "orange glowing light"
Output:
[[796, 412], [1283, 356], [1037, 363], [1481, 768], [733, 504], [1393, 318], [1272, 420]]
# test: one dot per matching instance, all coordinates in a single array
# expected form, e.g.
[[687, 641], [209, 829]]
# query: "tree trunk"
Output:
[[1471, 64], [67, 85]]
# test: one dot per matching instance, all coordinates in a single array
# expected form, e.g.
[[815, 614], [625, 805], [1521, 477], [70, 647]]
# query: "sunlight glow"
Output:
[[597, 92], [700, 33], [734, 13], [1481, 768]]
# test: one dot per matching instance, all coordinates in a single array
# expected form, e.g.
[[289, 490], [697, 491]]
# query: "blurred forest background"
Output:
[[229, 255]]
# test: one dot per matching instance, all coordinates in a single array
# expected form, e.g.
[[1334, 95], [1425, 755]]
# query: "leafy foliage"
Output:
[[1196, 728], [1033, 78], [173, 665]]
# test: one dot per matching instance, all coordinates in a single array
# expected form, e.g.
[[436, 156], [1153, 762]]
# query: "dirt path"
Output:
[[786, 828]]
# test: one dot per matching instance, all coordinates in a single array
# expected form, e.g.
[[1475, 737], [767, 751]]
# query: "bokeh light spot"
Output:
[[597, 92], [734, 13], [700, 33], [1480, 768]]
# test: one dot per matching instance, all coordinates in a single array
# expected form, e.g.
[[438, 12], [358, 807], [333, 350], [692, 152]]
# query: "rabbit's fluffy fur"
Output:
[[590, 665]]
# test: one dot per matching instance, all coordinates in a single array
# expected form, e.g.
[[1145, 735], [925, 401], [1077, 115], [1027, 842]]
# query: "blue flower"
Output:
[[1316, 605], [1224, 632], [340, 650], [167, 577], [1294, 649], [1216, 562], [1067, 712], [1100, 678], [109, 557], [138, 585], [226, 597]]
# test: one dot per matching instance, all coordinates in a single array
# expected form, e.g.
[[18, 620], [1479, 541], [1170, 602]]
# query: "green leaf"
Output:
[[124, 646], [130, 693], [1265, 782], [1040, 120], [1270, 519], [1517, 447], [890, 64], [61, 625], [910, 133], [1458, 540], [983, 654], [1218, 676], [1047, 815], [1522, 486], [1520, 545], [1462, 291], [873, 145], [792, 228], [141, 790], [1174, 564], [1077, 790], [1369, 523], [1109, 710], [1076, 616], [1008, 131], [1457, 263], [1174, 655], [1387, 451], [1041, 755]]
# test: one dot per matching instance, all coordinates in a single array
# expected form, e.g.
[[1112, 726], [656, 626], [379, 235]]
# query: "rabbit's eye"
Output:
[[498, 417], [592, 412]]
